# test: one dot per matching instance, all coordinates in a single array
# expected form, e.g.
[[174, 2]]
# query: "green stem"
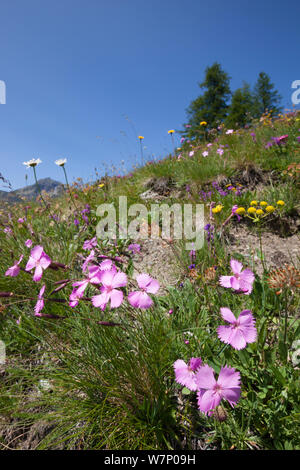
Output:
[[142, 155], [261, 248], [63, 167], [46, 205], [285, 315], [39, 190]]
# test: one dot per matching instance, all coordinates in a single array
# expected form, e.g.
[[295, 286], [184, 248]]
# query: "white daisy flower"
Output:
[[33, 162], [60, 162]]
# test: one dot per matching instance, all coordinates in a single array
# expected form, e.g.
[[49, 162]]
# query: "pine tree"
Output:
[[210, 107], [267, 99], [241, 108]]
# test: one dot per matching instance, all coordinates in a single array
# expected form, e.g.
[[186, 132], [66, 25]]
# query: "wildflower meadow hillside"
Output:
[[141, 343]]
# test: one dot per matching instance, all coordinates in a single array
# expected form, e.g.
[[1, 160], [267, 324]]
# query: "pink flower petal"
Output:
[[38, 274], [227, 315], [119, 280], [235, 283], [106, 265], [45, 261], [225, 281], [208, 400], [13, 271], [39, 307], [224, 333], [153, 287], [232, 395], [36, 252], [81, 286], [236, 266], [205, 378], [107, 278], [250, 334], [100, 300], [41, 293], [248, 276], [30, 264], [246, 318], [245, 287], [236, 339], [229, 377], [116, 298], [195, 363], [143, 280], [140, 300], [184, 376]]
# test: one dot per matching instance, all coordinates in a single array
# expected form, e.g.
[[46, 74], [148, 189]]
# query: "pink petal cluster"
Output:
[[90, 244], [89, 258], [111, 281], [185, 373], [80, 286], [147, 285], [241, 281], [38, 260], [15, 269], [212, 391], [240, 331]]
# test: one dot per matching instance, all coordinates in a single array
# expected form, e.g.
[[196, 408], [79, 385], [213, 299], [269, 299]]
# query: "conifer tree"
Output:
[[212, 106], [241, 108], [267, 99]]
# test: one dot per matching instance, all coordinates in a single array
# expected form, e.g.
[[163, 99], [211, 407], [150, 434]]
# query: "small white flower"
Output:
[[205, 153], [33, 162], [45, 384], [230, 131], [60, 162]]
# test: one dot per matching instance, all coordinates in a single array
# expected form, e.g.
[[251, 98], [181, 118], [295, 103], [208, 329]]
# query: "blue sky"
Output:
[[84, 78]]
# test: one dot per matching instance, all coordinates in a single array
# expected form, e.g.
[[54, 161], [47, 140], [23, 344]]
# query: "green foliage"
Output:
[[267, 98], [240, 111], [212, 105]]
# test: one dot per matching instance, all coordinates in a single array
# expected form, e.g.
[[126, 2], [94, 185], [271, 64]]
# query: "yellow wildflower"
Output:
[[251, 210], [240, 211], [270, 209], [263, 203], [141, 137], [253, 203], [280, 203], [217, 209], [171, 131], [259, 212], [203, 123]]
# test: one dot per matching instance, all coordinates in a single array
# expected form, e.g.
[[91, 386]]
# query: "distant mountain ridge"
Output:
[[52, 187]]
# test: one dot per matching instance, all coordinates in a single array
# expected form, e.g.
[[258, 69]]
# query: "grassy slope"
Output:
[[113, 387]]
